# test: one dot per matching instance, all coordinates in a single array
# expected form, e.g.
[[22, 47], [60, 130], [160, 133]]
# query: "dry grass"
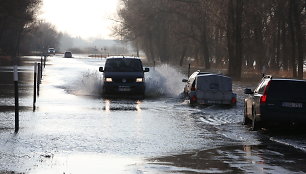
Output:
[[248, 75]]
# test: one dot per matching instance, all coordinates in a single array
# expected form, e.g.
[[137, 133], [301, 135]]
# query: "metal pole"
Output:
[[45, 58], [41, 67], [35, 85], [16, 98], [38, 78]]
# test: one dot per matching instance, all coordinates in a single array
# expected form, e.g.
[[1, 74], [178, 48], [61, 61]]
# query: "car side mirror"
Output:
[[185, 80], [101, 69], [146, 70], [248, 91]]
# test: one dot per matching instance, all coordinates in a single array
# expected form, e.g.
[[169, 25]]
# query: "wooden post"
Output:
[[16, 98], [35, 85], [188, 70]]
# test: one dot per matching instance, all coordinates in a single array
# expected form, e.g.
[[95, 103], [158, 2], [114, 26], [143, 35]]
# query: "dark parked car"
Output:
[[274, 102], [123, 75], [68, 54]]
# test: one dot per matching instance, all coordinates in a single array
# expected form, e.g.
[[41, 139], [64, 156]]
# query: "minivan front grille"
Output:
[[124, 80]]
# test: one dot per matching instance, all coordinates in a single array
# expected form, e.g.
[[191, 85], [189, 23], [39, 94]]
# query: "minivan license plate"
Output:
[[124, 89], [292, 105]]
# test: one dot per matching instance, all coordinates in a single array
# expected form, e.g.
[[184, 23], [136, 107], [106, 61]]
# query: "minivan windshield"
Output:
[[123, 65], [287, 90]]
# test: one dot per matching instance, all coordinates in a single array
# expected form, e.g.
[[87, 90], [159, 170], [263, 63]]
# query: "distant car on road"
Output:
[[68, 54], [275, 101], [123, 75], [51, 51], [208, 89]]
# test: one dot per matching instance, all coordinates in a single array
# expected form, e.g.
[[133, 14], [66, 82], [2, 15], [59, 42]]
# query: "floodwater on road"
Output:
[[75, 130]]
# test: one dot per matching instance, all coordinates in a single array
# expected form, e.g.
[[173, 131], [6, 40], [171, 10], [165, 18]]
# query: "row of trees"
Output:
[[238, 34], [15, 17], [20, 31], [39, 37]]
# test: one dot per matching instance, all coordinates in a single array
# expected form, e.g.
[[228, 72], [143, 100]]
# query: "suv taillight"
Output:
[[263, 98]]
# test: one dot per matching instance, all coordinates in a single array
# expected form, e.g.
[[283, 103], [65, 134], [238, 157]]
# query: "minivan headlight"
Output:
[[108, 79], [139, 80]]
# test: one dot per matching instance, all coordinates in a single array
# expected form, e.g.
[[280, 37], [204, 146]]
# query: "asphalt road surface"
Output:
[[75, 130]]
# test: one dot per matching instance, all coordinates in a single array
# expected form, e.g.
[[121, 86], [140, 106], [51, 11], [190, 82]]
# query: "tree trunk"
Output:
[[183, 55], [293, 39], [277, 47], [234, 38], [151, 49], [260, 46], [137, 49], [299, 37], [239, 9], [230, 33], [285, 45], [205, 49]]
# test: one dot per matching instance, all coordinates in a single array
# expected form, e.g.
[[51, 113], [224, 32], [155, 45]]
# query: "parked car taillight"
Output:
[[234, 100], [193, 99]]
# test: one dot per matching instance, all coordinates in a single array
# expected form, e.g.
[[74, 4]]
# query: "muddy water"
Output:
[[75, 130]]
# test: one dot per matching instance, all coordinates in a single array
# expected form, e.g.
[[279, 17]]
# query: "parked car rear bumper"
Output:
[[224, 100]]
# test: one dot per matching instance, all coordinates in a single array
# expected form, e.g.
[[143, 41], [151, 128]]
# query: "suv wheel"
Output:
[[255, 124], [246, 120]]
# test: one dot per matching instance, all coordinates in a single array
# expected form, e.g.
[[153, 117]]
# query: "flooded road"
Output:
[[75, 130]]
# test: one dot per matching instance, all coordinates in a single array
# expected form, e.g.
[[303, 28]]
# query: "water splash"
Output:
[[161, 81], [164, 81], [90, 84]]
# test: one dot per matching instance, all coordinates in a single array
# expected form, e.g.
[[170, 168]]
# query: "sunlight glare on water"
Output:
[[89, 163]]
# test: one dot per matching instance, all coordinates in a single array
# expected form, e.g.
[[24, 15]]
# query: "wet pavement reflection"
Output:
[[76, 130], [270, 158]]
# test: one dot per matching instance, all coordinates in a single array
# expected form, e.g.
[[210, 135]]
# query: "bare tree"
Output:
[[248, 32]]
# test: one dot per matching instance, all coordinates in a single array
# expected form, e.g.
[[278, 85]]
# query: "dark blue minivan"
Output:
[[123, 76]]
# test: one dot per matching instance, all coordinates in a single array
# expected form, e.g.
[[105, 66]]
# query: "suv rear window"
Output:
[[123, 65], [287, 90]]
